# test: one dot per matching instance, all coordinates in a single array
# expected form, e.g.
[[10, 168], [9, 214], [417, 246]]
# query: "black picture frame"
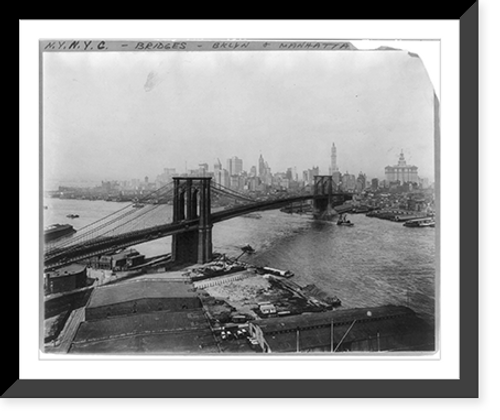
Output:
[[465, 387]]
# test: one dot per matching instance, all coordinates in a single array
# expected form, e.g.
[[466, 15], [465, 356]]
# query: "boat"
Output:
[[214, 271], [72, 216], [269, 270], [248, 249], [422, 222], [252, 216], [56, 231], [343, 221]]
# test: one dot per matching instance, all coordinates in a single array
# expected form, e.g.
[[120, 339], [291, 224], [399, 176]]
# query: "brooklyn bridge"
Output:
[[189, 222]]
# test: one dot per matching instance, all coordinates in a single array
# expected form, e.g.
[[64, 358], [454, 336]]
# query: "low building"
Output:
[[386, 328], [159, 332], [124, 260], [268, 309], [65, 279], [417, 204], [105, 262], [142, 296], [127, 259]]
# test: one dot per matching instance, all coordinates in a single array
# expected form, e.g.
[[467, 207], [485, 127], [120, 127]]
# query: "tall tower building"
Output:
[[401, 172], [234, 166], [218, 172], [262, 167], [333, 164]]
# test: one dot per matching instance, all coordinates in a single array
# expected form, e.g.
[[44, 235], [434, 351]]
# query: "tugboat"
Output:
[[343, 221], [248, 249], [423, 222]]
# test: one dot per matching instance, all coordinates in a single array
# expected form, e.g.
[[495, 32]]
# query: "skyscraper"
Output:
[[262, 167], [333, 163], [203, 169], [361, 182], [218, 174], [348, 182], [226, 179], [234, 166]]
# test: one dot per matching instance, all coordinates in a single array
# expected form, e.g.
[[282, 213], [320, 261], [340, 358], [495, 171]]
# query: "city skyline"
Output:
[[113, 116], [233, 176], [217, 168], [247, 167]]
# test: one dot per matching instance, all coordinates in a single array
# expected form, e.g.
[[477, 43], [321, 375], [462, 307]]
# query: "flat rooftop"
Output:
[[185, 342], [67, 270], [315, 329], [144, 323], [337, 317], [142, 289]]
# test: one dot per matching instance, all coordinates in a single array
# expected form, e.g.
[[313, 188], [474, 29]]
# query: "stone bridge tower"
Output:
[[192, 202], [323, 196]]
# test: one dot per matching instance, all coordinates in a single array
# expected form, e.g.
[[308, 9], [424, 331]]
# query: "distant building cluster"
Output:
[[260, 179]]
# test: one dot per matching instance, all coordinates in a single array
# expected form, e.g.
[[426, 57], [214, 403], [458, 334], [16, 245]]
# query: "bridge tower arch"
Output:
[[323, 196], [192, 202]]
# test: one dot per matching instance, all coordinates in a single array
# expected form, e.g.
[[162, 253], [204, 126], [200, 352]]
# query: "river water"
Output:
[[375, 262]]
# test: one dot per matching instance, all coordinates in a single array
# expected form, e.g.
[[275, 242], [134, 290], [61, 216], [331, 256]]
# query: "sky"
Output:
[[125, 115]]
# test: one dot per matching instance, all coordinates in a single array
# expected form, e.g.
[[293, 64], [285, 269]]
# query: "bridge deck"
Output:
[[87, 249]]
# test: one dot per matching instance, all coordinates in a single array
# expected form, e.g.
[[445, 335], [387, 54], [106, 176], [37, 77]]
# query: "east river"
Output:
[[375, 262]]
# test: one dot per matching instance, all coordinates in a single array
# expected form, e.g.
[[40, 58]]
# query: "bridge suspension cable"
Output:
[[219, 188], [95, 229]]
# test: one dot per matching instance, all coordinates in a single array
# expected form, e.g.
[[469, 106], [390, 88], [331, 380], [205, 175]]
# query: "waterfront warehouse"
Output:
[[141, 297], [385, 328], [186, 331]]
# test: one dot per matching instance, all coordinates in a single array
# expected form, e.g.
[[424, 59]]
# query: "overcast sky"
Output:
[[130, 114]]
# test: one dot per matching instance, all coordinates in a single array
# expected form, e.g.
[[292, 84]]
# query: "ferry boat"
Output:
[[423, 222], [56, 231], [344, 222]]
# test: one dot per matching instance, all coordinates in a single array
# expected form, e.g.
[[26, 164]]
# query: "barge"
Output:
[[56, 231], [423, 222], [269, 270]]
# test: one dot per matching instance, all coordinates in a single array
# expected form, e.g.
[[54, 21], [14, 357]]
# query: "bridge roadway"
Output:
[[108, 244]]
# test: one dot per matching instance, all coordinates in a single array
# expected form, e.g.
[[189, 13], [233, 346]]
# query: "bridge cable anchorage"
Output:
[[126, 211]]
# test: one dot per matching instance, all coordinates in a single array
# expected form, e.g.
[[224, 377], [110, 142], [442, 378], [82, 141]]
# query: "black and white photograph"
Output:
[[253, 197]]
